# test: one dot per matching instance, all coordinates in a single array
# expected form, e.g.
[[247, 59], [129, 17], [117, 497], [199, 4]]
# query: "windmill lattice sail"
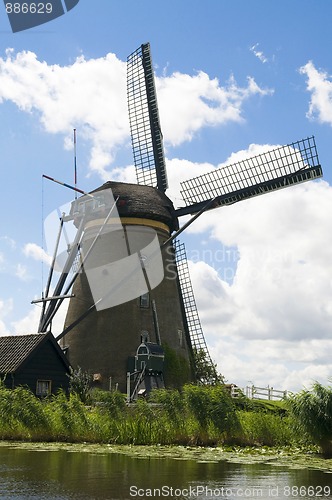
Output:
[[275, 169], [146, 136], [196, 334]]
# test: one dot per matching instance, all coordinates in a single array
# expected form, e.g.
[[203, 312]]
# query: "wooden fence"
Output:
[[268, 392], [254, 392]]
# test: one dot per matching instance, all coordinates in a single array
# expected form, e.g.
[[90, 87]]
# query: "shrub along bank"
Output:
[[312, 410], [199, 415]]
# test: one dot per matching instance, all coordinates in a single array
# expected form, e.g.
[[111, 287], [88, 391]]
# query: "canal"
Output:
[[61, 472]]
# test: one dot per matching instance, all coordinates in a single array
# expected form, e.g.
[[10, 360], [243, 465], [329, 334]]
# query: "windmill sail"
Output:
[[269, 171], [194, 324], [146, 136]]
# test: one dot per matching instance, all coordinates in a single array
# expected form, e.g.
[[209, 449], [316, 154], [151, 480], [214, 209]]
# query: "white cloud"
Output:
[[29, 323], [2, 260], [9, 242], [200, 102], [258, 53], [90, 95], [254, 362], [6, 306], [319, 84], [21, 272], [36, 252]]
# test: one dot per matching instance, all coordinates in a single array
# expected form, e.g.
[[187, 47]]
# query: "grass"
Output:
[[204, 416]]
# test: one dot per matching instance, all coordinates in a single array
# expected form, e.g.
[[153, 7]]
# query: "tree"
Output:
[[206, 371]]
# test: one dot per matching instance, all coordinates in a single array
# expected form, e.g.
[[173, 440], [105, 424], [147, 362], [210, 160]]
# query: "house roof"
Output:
[[15, 349]]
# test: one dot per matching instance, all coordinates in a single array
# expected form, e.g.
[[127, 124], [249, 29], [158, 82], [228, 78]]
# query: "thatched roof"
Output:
[[142, 201]]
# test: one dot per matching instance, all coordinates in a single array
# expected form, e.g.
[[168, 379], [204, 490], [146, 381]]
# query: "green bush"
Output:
[[211, 405]]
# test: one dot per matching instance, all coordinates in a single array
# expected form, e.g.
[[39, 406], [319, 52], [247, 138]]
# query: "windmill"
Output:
[[103, 330]]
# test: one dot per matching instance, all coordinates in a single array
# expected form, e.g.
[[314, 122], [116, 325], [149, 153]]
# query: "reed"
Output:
[[312, 410], [264, 429], [198, 415]]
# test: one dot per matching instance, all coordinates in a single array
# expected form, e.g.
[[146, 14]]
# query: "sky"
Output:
[[233, 78]]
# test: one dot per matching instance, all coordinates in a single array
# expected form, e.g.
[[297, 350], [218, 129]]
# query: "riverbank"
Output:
[[199, 416]]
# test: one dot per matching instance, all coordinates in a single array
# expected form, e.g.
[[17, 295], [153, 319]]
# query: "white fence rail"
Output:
[[254, 392]]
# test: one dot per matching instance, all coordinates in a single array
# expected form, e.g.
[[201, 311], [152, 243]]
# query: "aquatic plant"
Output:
[[313, 412]]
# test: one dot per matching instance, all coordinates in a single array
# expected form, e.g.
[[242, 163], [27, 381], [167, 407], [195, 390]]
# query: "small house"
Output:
[[35, 361]]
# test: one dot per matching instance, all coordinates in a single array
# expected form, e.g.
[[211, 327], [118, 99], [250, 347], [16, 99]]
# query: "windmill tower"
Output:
[[113, 307]]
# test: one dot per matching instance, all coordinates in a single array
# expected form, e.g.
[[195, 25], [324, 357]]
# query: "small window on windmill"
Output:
[[144, 301], [145, 337]]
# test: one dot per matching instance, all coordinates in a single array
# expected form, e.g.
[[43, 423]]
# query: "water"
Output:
[[62, 474]]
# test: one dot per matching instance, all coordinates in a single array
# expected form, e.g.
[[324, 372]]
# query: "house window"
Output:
[[144, 300], [43, 387]]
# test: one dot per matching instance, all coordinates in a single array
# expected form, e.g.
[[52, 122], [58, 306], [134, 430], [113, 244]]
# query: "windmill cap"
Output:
[[141, 201]]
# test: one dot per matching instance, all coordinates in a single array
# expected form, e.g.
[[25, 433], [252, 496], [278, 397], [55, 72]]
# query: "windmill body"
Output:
[[105, 342], [134, 288]]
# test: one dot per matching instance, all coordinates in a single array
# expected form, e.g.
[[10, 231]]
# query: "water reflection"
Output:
[[61, 475]]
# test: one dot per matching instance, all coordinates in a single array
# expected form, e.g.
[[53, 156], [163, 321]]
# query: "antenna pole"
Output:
[[75, 164]]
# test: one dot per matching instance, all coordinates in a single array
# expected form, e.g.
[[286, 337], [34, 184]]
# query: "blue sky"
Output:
[[232, 77]]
